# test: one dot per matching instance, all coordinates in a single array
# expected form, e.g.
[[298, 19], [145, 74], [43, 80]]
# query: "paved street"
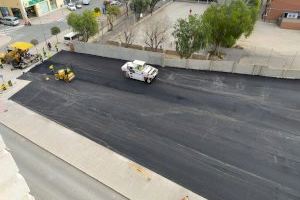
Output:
[[224, 136], [50, 178]]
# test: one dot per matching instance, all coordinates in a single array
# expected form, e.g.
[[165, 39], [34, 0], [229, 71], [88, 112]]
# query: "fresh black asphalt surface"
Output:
[[223, 136]]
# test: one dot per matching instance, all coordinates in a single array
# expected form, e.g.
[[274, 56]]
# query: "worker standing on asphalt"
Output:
[[49, 46], [56, 47], [44, 53]]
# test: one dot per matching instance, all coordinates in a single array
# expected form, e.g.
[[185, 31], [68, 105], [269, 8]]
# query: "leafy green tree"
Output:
[[253, 3], [254, 6], [152, 4], [85, 24], [55, 31], [97, 10], [189, 36], [112, 12], [225, 24], [139, 6]]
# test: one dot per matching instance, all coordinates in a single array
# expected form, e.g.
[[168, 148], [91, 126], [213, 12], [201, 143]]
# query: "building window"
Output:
[[31, 11], [291, 15], [31, 2], [17, 12]]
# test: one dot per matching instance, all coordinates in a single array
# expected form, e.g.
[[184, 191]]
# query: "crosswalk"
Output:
[[61, 20], [4, 30]]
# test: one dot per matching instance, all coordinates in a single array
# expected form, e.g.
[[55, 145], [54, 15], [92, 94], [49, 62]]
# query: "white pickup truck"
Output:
[[139, 70]]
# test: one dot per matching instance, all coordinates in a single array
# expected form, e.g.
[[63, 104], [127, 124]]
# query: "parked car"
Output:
[[9, 20], [115, 3], [78, 5], [69, 37], [139, 70], [85, 2], [71, 7]]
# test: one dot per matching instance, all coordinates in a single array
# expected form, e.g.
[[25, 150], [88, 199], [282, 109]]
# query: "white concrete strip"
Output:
[[12, 184], [61, 19], [17, 85], [121, 174], [10, 29]]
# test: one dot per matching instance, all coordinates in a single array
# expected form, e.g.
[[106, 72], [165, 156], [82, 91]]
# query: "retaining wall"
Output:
[[156, 58]]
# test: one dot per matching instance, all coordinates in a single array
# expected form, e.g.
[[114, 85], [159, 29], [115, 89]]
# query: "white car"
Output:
[[11, 21], [78, 5], [139, 70], [85, 2], [115, 3], [71, 7]]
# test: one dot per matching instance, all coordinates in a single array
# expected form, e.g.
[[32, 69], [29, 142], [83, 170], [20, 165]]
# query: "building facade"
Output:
[[285, 12], [28, 8]]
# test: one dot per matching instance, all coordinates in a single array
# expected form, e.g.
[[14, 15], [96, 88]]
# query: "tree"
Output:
[[152, 4], [156, 33], [97, 10], [139, 6], [254, 6], [225, 24], [189, 36], [253, 3], [85, 24], [35, 42], [127, 36], [55, 31], [126, 5], [112, 13]]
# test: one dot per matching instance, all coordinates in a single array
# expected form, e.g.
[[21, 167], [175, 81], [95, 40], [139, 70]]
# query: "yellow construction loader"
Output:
[[64, 73], [18, 55]]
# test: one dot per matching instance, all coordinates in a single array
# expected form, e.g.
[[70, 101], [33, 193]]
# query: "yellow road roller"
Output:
[[64, 73]]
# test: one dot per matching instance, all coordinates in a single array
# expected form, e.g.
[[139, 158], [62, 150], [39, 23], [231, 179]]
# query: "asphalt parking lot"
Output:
[[224, 136]]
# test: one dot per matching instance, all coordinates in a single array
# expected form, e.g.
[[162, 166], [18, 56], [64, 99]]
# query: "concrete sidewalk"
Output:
[[121, 174], [4, 39], [12, 184]]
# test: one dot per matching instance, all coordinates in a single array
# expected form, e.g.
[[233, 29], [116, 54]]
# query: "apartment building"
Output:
[[285, 12], [28, 8]]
